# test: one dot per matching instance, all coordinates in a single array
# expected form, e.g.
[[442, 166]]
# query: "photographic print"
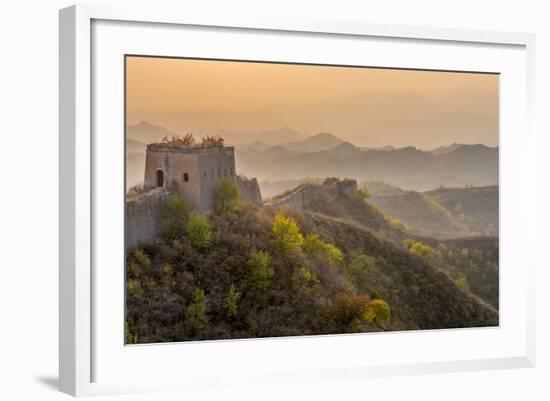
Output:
[[268, 199]]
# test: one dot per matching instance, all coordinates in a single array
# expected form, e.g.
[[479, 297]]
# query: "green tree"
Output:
[[231, 301], [399, 225], [423, 251], [316, 248], [347, 311], [287, 234], [378, 311], [363, 193], [226, 197], [130, 337], [199, 230], [361, 269], [195, 314], [138, 255], [462, 283], [306, 281], [174, 216], [261, 271], [166, 275]]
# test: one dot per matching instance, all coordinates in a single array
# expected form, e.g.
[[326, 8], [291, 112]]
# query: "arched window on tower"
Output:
[[185, 177], [160, 178]]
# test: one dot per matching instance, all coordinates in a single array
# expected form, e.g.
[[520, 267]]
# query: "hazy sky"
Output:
[[369, 107]]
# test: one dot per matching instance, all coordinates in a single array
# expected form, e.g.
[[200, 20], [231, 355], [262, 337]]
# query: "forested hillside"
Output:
[[249, 271], [421, 214], [441, 213], [477, 207]]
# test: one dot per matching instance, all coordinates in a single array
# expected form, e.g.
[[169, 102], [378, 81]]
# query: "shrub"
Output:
[[195, 314], [420, 249], [230, 301], [423, 250], [138, 258], [226, 197], [361, 268], [348, 311], [377, 311], [316, 248], [261, 271], [199, 231], [363, 193], [174, 216], [462, 283], [287, 234], [130, 338], [306, 281]]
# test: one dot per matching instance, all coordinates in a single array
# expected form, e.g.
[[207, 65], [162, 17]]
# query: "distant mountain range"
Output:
[[444, 149], [325, 155], [364, 118], [315, 143], [133, 146], [261, 139], [285, 154], [267, 137], [146, 132]]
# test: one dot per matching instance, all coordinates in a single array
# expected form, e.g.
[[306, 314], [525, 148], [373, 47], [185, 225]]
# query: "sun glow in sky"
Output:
[[368, 106]]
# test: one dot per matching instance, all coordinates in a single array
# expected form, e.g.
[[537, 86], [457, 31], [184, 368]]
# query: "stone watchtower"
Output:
[[193, 172]]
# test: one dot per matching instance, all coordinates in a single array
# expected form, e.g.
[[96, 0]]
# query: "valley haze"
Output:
[[287, 155]]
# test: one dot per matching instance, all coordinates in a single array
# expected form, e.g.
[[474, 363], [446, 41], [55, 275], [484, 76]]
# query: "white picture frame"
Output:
[[79, 344]]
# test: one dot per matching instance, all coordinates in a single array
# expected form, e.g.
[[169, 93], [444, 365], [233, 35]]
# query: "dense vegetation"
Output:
[[421, 214], [472, 262], [247, 271], [476, 207]]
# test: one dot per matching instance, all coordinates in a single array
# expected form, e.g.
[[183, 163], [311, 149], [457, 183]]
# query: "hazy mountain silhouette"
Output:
[[408, 167], [444, 149], [315, 143], [345, 149], [372, 119], [256, 146], [268, 137], [326, 155], [382, 149], [278, 152], [146, 132], [133, 146]]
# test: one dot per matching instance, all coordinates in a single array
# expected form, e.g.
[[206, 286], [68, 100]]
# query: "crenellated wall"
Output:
[[143, 216], [249, 189], [302, 196]]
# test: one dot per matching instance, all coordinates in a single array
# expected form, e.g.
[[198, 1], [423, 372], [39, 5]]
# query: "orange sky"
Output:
[[364, 105]]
